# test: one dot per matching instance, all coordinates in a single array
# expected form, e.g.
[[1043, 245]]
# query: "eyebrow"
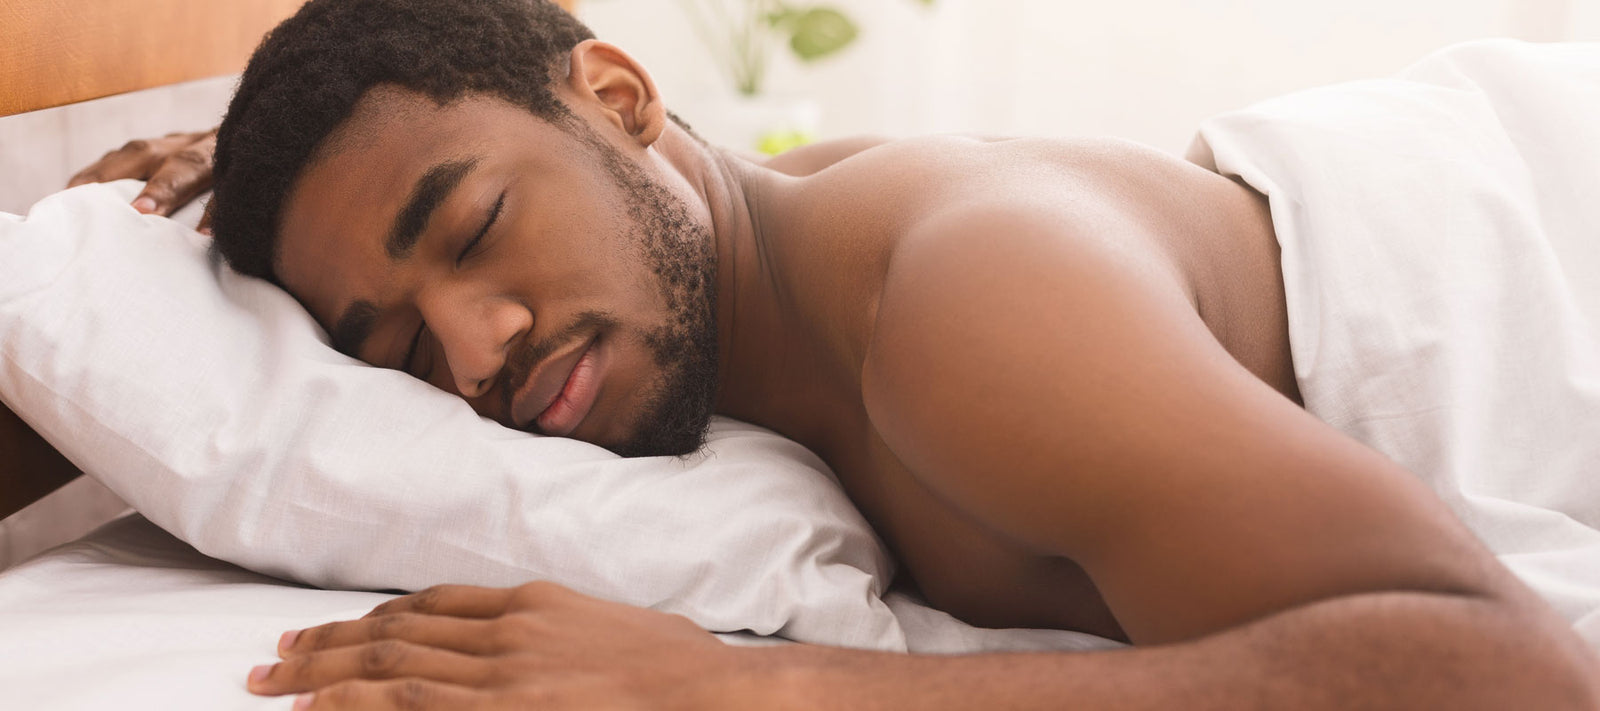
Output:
[[426, 197], [354, 327], [355, 324]]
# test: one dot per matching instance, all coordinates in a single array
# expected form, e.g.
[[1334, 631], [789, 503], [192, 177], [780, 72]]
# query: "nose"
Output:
[[476, 332]]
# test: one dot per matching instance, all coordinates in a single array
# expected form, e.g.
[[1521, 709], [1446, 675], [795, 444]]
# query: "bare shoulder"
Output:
[[1050, 379], [815, 157]]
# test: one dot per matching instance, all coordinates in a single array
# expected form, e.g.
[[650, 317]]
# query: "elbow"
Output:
[[1576, 680], [1570, 689], [1559, 669], [1484, 653]]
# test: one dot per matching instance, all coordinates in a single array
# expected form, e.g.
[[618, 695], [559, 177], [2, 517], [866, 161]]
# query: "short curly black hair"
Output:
[[307, 75]]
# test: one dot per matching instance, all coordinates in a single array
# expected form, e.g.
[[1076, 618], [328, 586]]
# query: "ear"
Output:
[[606, 77]]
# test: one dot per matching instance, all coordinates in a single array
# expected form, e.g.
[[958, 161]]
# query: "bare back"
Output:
[[1208, 238]]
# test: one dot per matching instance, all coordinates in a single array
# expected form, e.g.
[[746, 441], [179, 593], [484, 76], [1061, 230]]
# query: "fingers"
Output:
[[451, 600], [205, 221], [176, 168], [468, 636], [388, 659], [178, 178], [135, 159], [397, 695]]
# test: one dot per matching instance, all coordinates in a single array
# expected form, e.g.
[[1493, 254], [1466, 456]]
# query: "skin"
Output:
[[176, 168], [1053, 374]]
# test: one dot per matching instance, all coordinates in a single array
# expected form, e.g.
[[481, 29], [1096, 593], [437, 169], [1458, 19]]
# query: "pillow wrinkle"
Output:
[[212, 403]]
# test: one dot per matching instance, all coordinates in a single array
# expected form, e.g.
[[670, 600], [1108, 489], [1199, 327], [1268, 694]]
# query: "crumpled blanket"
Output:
[[1440, 235]]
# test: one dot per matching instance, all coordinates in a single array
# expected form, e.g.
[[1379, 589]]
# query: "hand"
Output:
[[535, 646], [176, 168]]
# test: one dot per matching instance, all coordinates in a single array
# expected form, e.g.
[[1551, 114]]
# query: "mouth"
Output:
[[559, 392]]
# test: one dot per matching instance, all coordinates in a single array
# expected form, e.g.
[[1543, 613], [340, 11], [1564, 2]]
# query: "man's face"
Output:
[[536, 271]]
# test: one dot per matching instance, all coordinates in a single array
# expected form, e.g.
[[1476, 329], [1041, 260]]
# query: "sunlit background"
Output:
[[1148, 70]]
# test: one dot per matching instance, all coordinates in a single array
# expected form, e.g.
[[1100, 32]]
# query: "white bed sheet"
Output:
[[129, 617]]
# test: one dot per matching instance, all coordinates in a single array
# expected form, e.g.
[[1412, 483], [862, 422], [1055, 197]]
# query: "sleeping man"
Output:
[[1056, 375]]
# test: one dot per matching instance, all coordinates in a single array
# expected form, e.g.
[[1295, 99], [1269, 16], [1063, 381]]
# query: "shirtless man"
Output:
[[1054, 375]]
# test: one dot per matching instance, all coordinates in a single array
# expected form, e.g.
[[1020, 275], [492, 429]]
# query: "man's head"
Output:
[[468, 191]]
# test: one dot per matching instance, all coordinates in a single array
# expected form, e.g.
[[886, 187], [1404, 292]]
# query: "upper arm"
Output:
[[1067, 395], [30, 468]]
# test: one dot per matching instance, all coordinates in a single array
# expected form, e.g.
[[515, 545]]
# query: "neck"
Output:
[[766, 366]]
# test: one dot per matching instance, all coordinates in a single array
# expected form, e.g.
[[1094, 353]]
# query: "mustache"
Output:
[[519, 366]]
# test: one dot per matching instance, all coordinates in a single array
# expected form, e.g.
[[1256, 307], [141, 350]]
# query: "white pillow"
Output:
[[212, 404]]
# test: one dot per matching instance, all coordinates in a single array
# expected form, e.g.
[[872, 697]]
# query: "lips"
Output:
[[552, 392]]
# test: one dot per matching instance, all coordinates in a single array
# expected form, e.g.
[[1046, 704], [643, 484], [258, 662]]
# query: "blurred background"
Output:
[[1149, 70]]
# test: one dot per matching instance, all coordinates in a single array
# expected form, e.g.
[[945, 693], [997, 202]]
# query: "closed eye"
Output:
[[472, 244], [411, 351], [416, 340]]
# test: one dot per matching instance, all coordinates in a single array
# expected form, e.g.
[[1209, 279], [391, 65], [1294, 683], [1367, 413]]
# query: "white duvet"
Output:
[[1441, 260]]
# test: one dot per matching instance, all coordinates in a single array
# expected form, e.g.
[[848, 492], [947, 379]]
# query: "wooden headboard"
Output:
[[55, 52]]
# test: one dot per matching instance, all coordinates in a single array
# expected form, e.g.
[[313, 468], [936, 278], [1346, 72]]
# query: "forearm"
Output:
[[29, 467], [1378, 651]]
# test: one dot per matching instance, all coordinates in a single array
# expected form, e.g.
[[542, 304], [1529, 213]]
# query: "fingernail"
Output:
[[259, 674], [287, 640], [144, 204], [302, 702]]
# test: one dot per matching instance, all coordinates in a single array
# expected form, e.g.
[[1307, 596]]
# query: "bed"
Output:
[[266, 504], [131, 616]]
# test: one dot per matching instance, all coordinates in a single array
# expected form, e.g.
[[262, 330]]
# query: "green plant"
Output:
[[741, 34]]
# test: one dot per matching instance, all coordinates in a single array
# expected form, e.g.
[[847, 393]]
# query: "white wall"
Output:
[[1143, 69]]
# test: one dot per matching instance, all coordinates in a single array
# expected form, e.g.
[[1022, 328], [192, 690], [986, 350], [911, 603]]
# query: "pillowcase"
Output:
[[212, 403]]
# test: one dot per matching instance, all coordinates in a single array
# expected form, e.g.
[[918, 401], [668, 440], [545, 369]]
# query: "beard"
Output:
[[681, 253]]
